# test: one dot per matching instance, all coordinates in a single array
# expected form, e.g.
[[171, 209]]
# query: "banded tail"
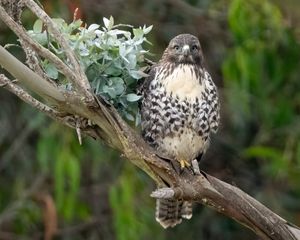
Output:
[[170, 212]]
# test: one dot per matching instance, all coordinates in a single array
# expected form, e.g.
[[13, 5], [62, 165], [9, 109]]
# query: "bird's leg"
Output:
[[196, 168], [181, 165], [193, 166], [184, 163]]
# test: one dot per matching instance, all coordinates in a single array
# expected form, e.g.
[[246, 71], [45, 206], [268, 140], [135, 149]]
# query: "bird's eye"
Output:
[[194, 47], [176, 47]]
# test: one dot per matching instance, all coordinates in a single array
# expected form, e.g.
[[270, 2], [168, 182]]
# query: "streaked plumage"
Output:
[[179, 111]]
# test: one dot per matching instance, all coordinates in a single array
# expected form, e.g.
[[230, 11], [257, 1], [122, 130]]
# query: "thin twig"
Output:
[[34, 63], [15, 89], [18, 91], [78, 131]]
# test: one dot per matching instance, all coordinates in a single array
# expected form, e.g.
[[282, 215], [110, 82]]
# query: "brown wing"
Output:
[[143, 85]]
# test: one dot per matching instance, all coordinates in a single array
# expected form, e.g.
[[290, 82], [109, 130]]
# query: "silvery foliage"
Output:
[[111, 55]]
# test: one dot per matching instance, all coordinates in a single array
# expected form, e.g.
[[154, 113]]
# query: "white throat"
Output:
[[183, 82]]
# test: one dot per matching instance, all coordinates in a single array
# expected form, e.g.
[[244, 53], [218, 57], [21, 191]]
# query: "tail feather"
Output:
[[187, 210], [169, 212]]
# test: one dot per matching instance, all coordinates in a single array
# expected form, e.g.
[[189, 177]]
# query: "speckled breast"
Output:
[[171, 123]]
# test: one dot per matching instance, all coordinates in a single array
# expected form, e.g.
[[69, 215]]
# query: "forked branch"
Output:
[[92, 116]]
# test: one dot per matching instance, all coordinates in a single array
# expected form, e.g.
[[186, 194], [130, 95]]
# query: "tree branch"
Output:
[[40, 50], [108, 126], [28, 77], [82, 82], [15, 89]]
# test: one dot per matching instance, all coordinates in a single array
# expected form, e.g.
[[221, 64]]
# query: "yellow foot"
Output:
[[184, 163]]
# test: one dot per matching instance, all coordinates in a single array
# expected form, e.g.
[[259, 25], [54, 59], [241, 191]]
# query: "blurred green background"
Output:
[[252, 50]]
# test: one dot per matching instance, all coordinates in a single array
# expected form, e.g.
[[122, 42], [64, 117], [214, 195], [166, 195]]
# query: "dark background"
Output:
[[252, 51]]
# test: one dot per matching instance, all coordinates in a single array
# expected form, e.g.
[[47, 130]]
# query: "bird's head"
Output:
[[184, 49]]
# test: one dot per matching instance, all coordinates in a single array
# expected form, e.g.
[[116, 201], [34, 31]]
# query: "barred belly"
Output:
[[186, 144]]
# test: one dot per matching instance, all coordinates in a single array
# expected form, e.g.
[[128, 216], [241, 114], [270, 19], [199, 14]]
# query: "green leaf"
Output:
[[137, 74], [138, 32], [138, 119], [41, 38], [93, 27], [118, 85], [132, 97], [113, 71], [146, 30], [131, 61], [38, 26], [110, 91], [72, 26], [122, 50], [129, 116], [119, 89], [51, 71], [108, 23], [111, 22], [58, 21], [76, 24]]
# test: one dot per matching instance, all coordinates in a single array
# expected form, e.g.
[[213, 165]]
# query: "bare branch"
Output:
[[78, 131], [28, 77], [23, 95], [15, 89], [163, 193], [33, 62], [243, 208], [295, 230], [195, 166]]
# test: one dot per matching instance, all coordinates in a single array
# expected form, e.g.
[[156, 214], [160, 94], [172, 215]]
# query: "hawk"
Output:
[[179, 110]]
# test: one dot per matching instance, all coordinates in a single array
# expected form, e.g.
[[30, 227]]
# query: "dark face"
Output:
[[184, 49]]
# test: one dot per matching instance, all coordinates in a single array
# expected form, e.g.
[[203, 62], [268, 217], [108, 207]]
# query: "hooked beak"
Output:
[[186, 50]]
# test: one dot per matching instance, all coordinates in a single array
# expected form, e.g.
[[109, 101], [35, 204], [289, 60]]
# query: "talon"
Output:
[[181, 164], [184, 163]]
